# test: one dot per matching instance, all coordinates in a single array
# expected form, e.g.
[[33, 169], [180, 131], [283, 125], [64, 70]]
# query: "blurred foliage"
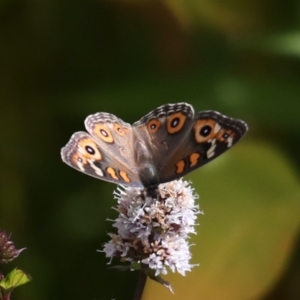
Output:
[[63, 60], [245, 239]]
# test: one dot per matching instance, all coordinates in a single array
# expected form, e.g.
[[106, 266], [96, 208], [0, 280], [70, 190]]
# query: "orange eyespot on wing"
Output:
[[82, 152], [153, 125], [88, 149], [120, 130], [176, 122], [227, 136], [205, 130], [102, 132], [79, 160]]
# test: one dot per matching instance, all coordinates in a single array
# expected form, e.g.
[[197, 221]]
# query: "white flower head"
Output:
[[155, 232]]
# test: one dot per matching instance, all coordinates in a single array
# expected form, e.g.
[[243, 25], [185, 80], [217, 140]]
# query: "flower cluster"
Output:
[[154, 232], [8, 252]]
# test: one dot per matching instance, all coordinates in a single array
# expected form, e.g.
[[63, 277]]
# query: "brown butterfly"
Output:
[[164, 145]]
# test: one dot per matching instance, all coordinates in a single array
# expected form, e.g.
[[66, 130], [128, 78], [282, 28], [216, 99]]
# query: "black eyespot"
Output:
[[175, 122], [79, 159], [225, 135], [152, 126], [103, 132], [90, 150], [205, 131], [120, 129]]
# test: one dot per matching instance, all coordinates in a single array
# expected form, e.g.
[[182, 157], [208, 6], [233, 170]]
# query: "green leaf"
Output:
[[14, 279]]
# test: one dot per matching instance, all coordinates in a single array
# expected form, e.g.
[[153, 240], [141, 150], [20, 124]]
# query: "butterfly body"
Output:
[[164, 145]]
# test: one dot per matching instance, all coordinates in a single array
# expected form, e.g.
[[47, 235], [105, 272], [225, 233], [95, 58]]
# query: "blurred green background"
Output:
[[63, 60]]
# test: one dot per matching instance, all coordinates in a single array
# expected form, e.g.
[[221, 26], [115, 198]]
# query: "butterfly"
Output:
[[162, 146]]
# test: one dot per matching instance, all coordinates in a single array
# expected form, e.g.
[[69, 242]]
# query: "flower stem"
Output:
[[140, 285]]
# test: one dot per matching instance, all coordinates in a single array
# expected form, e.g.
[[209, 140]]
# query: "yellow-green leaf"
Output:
[[13, 279]]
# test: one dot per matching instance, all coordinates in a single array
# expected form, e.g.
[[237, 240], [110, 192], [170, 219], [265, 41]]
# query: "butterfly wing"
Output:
[[180, 142], [106, 152], [158, 136], [211, 135]]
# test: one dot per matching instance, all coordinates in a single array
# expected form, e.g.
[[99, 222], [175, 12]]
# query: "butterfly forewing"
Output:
[[114, 136], [163, 130], [211, 135], [106, 152]]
